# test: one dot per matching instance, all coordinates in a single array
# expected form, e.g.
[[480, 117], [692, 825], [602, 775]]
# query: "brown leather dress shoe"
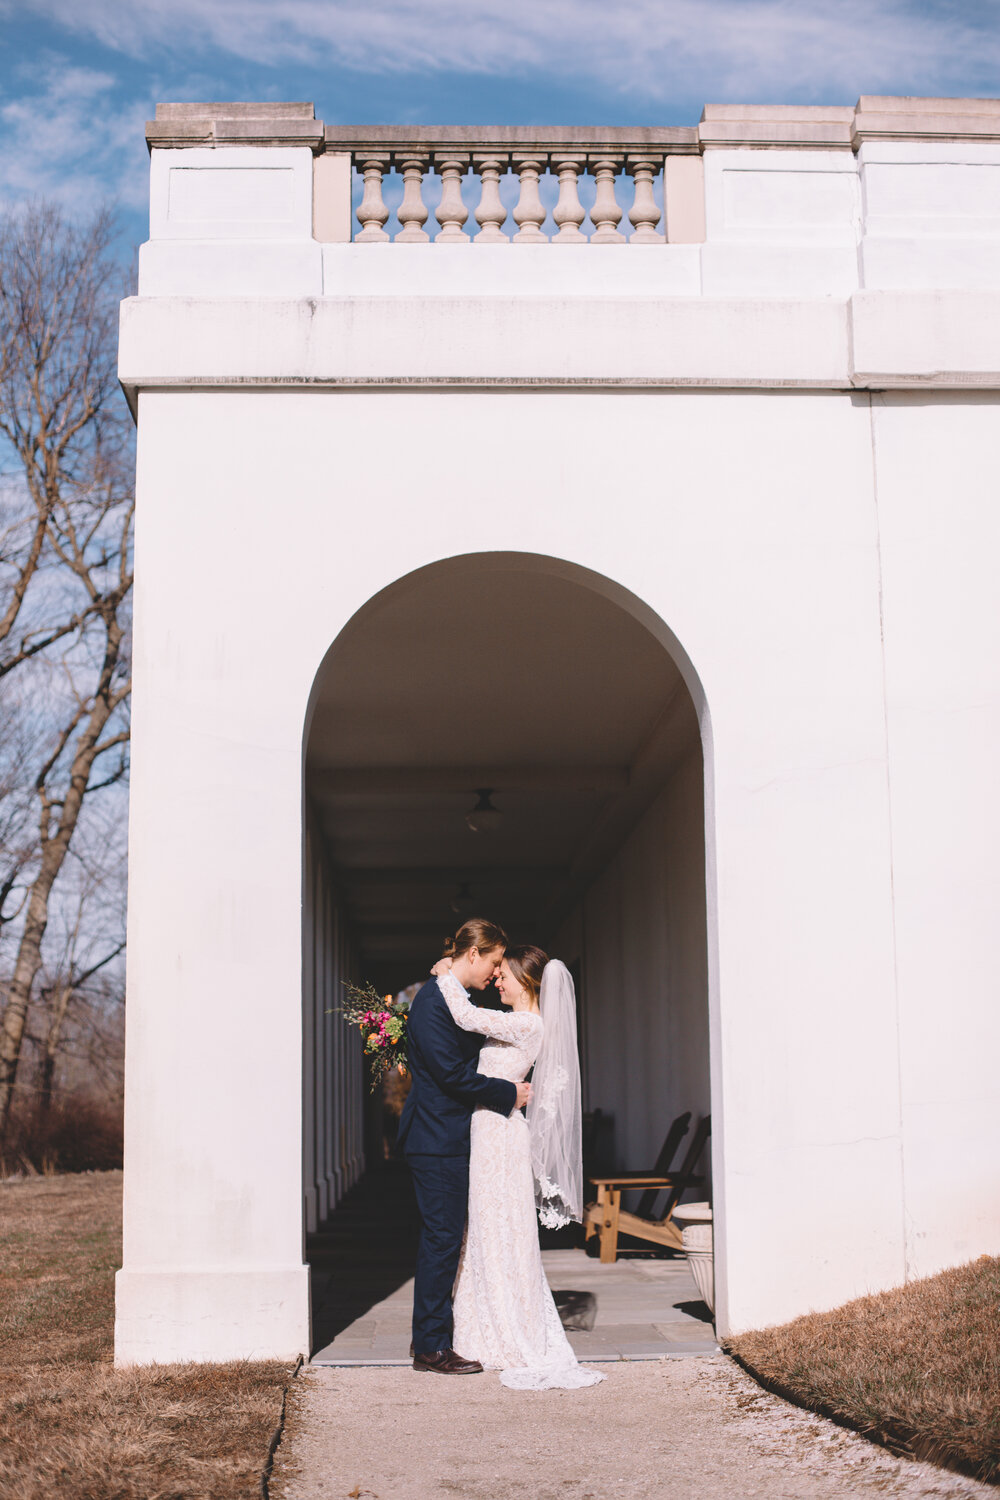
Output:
[[447, 1362]]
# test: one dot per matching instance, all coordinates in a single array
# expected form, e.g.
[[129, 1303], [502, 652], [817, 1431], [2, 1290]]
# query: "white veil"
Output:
[[554, 1113]]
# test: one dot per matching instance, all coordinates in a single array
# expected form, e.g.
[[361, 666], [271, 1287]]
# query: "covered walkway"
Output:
[[514, 677]]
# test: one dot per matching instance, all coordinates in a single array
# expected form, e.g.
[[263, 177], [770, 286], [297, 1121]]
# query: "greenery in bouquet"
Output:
[[381, 1021]]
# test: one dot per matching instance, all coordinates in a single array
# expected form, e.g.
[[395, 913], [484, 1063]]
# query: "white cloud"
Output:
[[722, 49], [70, 131], [67, 136]]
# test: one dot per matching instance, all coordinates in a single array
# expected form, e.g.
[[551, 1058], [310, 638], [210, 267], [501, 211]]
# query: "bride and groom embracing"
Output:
[[481, 1169]]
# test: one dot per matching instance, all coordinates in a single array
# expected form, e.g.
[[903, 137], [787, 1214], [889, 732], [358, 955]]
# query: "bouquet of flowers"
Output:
[[382, 1023]]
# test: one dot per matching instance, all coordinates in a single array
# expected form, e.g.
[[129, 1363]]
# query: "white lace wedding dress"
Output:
[[504, 1313]]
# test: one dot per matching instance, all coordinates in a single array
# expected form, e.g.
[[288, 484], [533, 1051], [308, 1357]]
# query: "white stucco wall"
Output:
[[938, 463], [771, 582]]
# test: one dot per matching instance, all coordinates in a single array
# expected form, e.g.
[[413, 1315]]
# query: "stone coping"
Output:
[[732, 126], [523, 140]]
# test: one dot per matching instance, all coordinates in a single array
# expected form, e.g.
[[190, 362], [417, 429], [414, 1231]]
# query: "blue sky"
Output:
[[79, 77]]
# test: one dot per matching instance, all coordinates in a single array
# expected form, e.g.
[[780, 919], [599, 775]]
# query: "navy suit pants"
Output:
[[441, 1184]]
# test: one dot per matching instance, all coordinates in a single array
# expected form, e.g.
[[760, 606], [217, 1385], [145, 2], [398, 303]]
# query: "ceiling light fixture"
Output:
[[484, 817]]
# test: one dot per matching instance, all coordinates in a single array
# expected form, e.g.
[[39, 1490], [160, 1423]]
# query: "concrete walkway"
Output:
[[676, 1429], [363, 1425]]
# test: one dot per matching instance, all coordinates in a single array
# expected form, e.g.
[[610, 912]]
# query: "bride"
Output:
[[505, 1316]]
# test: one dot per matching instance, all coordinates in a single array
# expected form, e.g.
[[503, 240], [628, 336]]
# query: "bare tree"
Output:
[[65, 559], [59, 288], [71, 1006], [16, 835]]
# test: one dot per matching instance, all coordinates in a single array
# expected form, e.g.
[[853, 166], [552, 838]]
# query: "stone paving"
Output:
[[362, 1262], [646, 1309]]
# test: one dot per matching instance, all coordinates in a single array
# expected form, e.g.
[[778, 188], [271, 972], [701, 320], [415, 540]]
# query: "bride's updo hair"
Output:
[[475, 933], [527, 964]]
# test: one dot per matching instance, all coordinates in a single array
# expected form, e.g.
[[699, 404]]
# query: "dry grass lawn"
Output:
[[72, 1426], [917, 1369]]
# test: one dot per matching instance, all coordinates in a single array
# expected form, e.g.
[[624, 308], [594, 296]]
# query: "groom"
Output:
[[434, 1136]]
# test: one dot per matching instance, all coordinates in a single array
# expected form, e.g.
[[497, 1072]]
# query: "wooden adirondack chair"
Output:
[[594, 1213], [607, 1219]]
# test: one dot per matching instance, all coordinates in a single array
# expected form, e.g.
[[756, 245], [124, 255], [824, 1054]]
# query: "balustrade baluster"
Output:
[[490, 213], [412, 210], [372, 212], [529, 215], [606, 212], [452, 212], [644, 212], [569, 213]]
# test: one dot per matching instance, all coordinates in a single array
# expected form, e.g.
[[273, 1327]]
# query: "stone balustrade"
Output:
[[458, 185], [610, 223], [458, 174]]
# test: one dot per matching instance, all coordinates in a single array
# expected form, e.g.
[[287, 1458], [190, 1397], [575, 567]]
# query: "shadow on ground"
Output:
[[697, 1309], [365, 1251]]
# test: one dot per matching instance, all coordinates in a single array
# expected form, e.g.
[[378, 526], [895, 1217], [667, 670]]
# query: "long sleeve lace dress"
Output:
[[504, 1313]]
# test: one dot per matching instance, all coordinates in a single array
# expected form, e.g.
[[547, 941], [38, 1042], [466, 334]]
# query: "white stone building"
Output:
[[685, 545]]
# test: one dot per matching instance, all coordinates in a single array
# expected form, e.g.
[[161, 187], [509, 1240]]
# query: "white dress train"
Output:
[[504, 1312]]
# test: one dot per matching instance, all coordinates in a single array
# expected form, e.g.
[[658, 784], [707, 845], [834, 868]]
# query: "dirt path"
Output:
[[682, 1429]]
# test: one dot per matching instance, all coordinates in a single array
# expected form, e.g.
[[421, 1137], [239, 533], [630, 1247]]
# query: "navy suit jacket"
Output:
[[442, 1057]]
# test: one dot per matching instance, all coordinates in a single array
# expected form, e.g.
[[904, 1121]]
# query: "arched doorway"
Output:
[[570, 702]]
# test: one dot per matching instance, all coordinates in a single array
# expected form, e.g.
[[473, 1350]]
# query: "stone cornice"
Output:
[[871, 341], [722, 126], [254, 124], [811, 127], [879, 118]]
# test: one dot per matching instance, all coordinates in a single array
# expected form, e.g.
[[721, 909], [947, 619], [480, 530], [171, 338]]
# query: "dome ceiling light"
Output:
[[484, 817]]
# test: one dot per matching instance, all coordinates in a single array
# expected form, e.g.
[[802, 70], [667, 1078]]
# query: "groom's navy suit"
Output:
[[434, 1135]]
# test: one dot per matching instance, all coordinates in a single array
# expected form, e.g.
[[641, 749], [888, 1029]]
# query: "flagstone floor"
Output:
[[362, 1259]]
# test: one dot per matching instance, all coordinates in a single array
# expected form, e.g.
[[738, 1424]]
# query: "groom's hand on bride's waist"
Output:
[[523, 1094]]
